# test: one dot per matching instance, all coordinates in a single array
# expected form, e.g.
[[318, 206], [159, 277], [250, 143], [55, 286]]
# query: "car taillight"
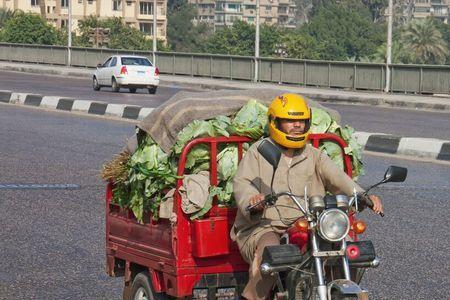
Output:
[[156, 71], [124, 70]]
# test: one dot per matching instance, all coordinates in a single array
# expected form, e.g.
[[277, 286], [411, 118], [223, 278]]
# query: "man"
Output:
[[300, 166]]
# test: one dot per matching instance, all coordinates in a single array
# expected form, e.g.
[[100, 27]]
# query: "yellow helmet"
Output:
[[289, 106]]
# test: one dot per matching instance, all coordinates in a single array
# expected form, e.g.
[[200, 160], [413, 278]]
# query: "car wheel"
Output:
[[114, 85], [95, 84], [132, 90], [141, 289], [152, 90]]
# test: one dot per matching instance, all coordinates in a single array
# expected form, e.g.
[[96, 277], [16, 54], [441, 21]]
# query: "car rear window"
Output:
[[135, 61]]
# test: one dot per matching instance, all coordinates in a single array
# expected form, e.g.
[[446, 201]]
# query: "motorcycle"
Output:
[[320, 256]]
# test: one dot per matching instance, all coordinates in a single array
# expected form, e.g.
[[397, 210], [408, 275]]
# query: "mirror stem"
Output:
[[271, 181], [375, 185]]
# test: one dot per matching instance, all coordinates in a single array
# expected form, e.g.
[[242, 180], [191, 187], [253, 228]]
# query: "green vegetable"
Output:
[[198, 155], [151, 171], [227, 162], [193, 130], [334, 151], [214, 127], [321, 120], [250, 120]]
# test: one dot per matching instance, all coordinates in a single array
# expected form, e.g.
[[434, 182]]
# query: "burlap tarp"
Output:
[[165, 122]]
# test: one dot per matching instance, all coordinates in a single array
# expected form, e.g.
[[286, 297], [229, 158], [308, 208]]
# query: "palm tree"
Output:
[[398, 53], [424, 42]]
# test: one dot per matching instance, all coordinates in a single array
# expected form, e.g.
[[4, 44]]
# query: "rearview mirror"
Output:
[[99, 66], [270, 152], [395, 174]]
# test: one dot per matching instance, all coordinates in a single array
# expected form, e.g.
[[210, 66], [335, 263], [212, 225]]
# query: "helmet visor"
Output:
[[293, 127]]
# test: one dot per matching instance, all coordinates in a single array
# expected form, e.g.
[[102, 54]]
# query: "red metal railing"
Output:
[[239, 140]]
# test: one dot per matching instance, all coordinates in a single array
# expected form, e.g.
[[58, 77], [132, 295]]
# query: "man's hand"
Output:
[[377, 205], [254, 200]]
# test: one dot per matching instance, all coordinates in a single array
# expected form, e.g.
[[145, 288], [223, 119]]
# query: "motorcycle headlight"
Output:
[[333, 225]]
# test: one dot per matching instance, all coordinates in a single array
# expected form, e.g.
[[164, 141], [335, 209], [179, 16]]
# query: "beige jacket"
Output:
[[309, 167]]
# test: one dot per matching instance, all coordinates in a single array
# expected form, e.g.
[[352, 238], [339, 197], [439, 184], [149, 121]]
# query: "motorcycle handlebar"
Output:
[[271, 198], [364, 198]]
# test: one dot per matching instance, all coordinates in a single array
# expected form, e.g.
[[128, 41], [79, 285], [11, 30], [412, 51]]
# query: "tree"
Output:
[[5, 15], [299, 45], [121, 35], [270, 37], [342, 31], [239, 39], [182, 34], [424, 42], [30, 28], [376, 8], [303, 11], [398, 53], [445, 31]]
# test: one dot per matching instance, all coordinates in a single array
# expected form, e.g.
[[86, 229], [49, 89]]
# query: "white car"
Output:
[[127, 71]]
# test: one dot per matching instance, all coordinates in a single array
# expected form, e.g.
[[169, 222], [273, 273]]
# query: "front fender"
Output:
[[346, 287]]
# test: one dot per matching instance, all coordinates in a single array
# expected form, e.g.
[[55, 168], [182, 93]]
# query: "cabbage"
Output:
[[320, 120], [334, 151], [191, 131], [227, 162], [250, 120], [214, 127], [198, 155]]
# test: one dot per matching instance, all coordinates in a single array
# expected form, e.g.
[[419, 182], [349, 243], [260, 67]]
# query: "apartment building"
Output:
[[225, 12], [439, 9], [136, 13]]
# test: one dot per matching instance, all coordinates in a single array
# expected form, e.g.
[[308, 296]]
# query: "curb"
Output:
[[408, 146], [100, 108], [375, 142]]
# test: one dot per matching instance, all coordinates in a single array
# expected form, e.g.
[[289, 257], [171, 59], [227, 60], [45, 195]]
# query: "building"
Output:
[[438, 9], [136, 13], [225, 12]]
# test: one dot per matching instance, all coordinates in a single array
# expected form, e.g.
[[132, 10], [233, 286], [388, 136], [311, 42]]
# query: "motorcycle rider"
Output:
[[300, 165]]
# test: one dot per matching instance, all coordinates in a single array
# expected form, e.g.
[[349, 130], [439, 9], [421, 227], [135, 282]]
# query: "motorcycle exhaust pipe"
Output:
[[367, 264]]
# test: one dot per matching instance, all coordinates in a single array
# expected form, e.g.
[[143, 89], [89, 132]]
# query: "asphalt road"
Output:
[[80, 88], [397, 121], [52, 240], [401, 122]]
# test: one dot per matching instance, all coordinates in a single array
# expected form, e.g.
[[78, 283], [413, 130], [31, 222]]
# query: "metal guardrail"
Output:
[[418, 79]]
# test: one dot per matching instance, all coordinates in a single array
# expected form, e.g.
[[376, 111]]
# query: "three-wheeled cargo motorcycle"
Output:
[[320, 256]]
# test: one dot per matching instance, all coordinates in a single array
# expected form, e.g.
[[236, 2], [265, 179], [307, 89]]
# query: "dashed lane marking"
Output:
[[39, 186]]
